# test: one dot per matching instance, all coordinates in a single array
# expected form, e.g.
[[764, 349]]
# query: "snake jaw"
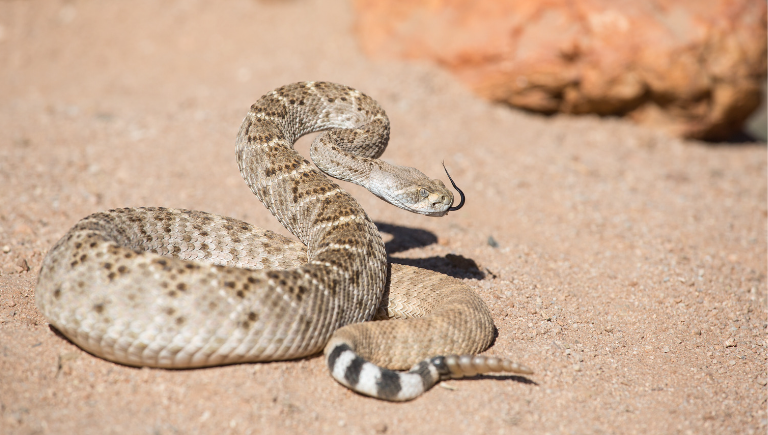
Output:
[[435, 203]]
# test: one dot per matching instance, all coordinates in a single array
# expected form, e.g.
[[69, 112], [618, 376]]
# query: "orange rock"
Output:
[[692, 67]]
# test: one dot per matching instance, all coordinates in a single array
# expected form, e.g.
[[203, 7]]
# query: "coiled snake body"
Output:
[[179, 288]]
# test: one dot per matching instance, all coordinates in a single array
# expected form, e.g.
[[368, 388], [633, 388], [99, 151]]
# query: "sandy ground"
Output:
[[626, 267]]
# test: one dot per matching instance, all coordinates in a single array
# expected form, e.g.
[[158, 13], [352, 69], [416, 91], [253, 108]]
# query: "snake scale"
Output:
[[174, 288]]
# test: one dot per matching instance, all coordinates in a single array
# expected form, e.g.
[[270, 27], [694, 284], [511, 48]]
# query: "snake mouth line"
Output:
[[461, 194]]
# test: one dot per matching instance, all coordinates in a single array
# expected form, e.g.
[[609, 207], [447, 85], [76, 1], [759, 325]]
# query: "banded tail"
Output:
[[368, 379]]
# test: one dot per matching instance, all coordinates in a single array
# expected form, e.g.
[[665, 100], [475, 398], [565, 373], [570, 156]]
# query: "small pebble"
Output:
[[6, 249], [23, 265], [380, 428], [492, 242], [577, 367], [665, 349]]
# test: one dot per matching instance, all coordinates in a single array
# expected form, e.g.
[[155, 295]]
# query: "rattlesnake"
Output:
[[179, 288]]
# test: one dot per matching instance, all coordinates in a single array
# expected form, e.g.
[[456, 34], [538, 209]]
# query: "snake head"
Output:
[[434, 199], [410, 189]]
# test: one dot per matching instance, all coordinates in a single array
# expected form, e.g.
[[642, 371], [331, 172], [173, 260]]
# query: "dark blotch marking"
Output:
[[99, 308], [253, 316], [240, 294], [334, 355], [122, 269], [352, 374], [388, 385], [57, 293], [107, 266], [180, 320], [181, 286], [422, 369], [439, 363]]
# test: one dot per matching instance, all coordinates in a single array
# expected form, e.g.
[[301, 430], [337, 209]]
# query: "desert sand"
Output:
[[626, 267]]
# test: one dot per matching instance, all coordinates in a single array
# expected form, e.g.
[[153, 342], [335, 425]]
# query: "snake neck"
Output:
[[333, 226]]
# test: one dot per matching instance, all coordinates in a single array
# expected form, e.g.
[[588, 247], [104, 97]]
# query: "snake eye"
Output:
[[423, 193]]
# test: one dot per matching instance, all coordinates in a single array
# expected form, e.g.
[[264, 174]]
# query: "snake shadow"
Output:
[[457, 266], [514, 378], [406, 238]]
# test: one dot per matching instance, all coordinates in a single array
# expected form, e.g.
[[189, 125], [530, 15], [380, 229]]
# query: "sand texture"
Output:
[[626, 267]]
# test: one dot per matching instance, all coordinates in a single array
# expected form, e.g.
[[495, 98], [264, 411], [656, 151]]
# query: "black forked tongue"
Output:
[[461, 203]]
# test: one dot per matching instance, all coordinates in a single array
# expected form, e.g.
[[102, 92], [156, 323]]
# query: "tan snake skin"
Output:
[[178, 288]]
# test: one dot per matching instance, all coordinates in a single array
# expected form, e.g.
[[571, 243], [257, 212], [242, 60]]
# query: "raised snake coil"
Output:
[[179, 288]]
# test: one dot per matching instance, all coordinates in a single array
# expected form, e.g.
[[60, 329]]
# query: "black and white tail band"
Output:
[[366, 378]]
